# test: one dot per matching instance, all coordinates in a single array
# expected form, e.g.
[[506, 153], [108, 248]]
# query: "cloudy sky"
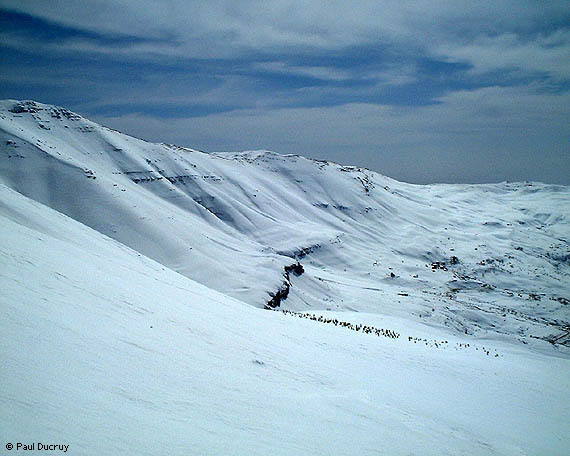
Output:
[[423, 91]]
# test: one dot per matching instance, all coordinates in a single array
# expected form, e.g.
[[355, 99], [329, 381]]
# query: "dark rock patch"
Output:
[[283, 291]]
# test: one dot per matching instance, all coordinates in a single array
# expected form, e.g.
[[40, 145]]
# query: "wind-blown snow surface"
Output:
[[140, 329], [112, 353]]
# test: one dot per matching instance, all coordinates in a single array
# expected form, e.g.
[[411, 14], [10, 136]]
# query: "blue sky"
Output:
[[421, 91]]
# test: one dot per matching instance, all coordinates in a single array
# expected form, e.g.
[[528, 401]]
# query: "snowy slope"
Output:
[[484, 260], [134, 277], [110, 352]]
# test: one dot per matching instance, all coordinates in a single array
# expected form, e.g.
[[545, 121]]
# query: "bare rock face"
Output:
[[282, 293]]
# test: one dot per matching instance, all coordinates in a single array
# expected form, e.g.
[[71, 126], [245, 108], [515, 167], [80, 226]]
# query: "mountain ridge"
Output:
[[235, 220]]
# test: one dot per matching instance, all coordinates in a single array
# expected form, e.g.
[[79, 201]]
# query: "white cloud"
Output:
[[391, 74], [546, 54], [219, 28], [318, 72]]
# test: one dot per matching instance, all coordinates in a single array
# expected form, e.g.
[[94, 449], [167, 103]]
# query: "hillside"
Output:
[[137, 282], [481, 259]]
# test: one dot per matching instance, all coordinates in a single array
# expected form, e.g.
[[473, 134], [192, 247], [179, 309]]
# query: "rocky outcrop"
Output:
[[283, 291], [296, 268]]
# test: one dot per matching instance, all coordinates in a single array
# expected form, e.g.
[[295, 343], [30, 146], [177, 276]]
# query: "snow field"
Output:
[[111, 352]]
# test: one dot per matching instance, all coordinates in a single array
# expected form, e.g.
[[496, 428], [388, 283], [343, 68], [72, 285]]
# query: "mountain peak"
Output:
[[33, 107]]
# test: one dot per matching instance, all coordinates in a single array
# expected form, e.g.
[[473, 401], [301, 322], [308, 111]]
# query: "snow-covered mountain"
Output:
[[135, 278], [475, 258]]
